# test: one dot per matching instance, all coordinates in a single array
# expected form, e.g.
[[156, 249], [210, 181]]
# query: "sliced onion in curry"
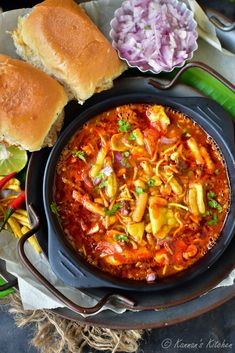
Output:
[[148, 205]]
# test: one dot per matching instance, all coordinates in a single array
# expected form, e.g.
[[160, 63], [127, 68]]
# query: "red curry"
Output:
[[142, 191]]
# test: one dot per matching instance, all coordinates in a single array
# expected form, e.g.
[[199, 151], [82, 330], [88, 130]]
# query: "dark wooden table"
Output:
[[210, 332]]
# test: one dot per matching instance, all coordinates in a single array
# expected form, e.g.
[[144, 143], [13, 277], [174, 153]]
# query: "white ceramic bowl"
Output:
[[143, 65]]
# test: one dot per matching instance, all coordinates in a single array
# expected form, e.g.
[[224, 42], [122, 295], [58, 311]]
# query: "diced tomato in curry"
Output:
[[142, 191]]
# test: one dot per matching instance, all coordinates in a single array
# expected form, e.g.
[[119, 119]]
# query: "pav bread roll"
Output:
[[31, 105], [59, 38]]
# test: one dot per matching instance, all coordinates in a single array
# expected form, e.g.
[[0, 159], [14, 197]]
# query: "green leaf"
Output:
[[125, 163], [132, 136], [100, 176], [124, 160], [211, 87], [210, 195], [151, 182], [214, 221], [147, 27], [112, 211], [139, 191], [79, 154], [122, 237], [206, 214], [126, 154], [7, 291], [102, 184], [55, 208], [215, 204], [123, 125]]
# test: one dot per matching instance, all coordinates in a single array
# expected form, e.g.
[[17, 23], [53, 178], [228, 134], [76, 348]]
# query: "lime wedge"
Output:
[[12, 159]]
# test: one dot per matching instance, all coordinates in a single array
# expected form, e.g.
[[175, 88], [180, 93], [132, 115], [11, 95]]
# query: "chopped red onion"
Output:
[[96, 181], [118, 248], [118, 156], [106, 248], [168, 141], [125, 212], [107, 170], [150, 277], [154, 34]]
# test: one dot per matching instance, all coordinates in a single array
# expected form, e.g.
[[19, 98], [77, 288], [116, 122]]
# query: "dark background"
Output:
[[218, 325], [227, 7]]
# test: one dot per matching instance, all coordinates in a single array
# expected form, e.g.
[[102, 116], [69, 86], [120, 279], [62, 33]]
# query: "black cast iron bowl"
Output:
[[71, 267]]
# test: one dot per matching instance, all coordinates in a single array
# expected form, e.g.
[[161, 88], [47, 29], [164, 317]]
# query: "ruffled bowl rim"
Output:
[[189, 57]]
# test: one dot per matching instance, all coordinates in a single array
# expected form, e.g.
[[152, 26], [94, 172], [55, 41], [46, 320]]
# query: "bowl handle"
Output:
[[221, 25], [111, 298]]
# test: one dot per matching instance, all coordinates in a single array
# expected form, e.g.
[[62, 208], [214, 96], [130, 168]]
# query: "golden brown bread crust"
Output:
[[30, 103], [69, 46]]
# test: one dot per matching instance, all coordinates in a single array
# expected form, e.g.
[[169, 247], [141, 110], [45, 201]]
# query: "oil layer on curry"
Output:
[[142, 191]]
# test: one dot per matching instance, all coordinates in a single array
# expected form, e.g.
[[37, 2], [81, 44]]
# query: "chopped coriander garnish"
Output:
[[124, 160], [54, 208], [126, 154], [125, 163], [147, 27], [123, 125], [139, 191], [151, 182], [100, 176], [102, 184], [206, 214], [112, 211], [122, 237], [79, 154], [214, 220], [217, 171], [215, 204], [132, 136], [210, 195]]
